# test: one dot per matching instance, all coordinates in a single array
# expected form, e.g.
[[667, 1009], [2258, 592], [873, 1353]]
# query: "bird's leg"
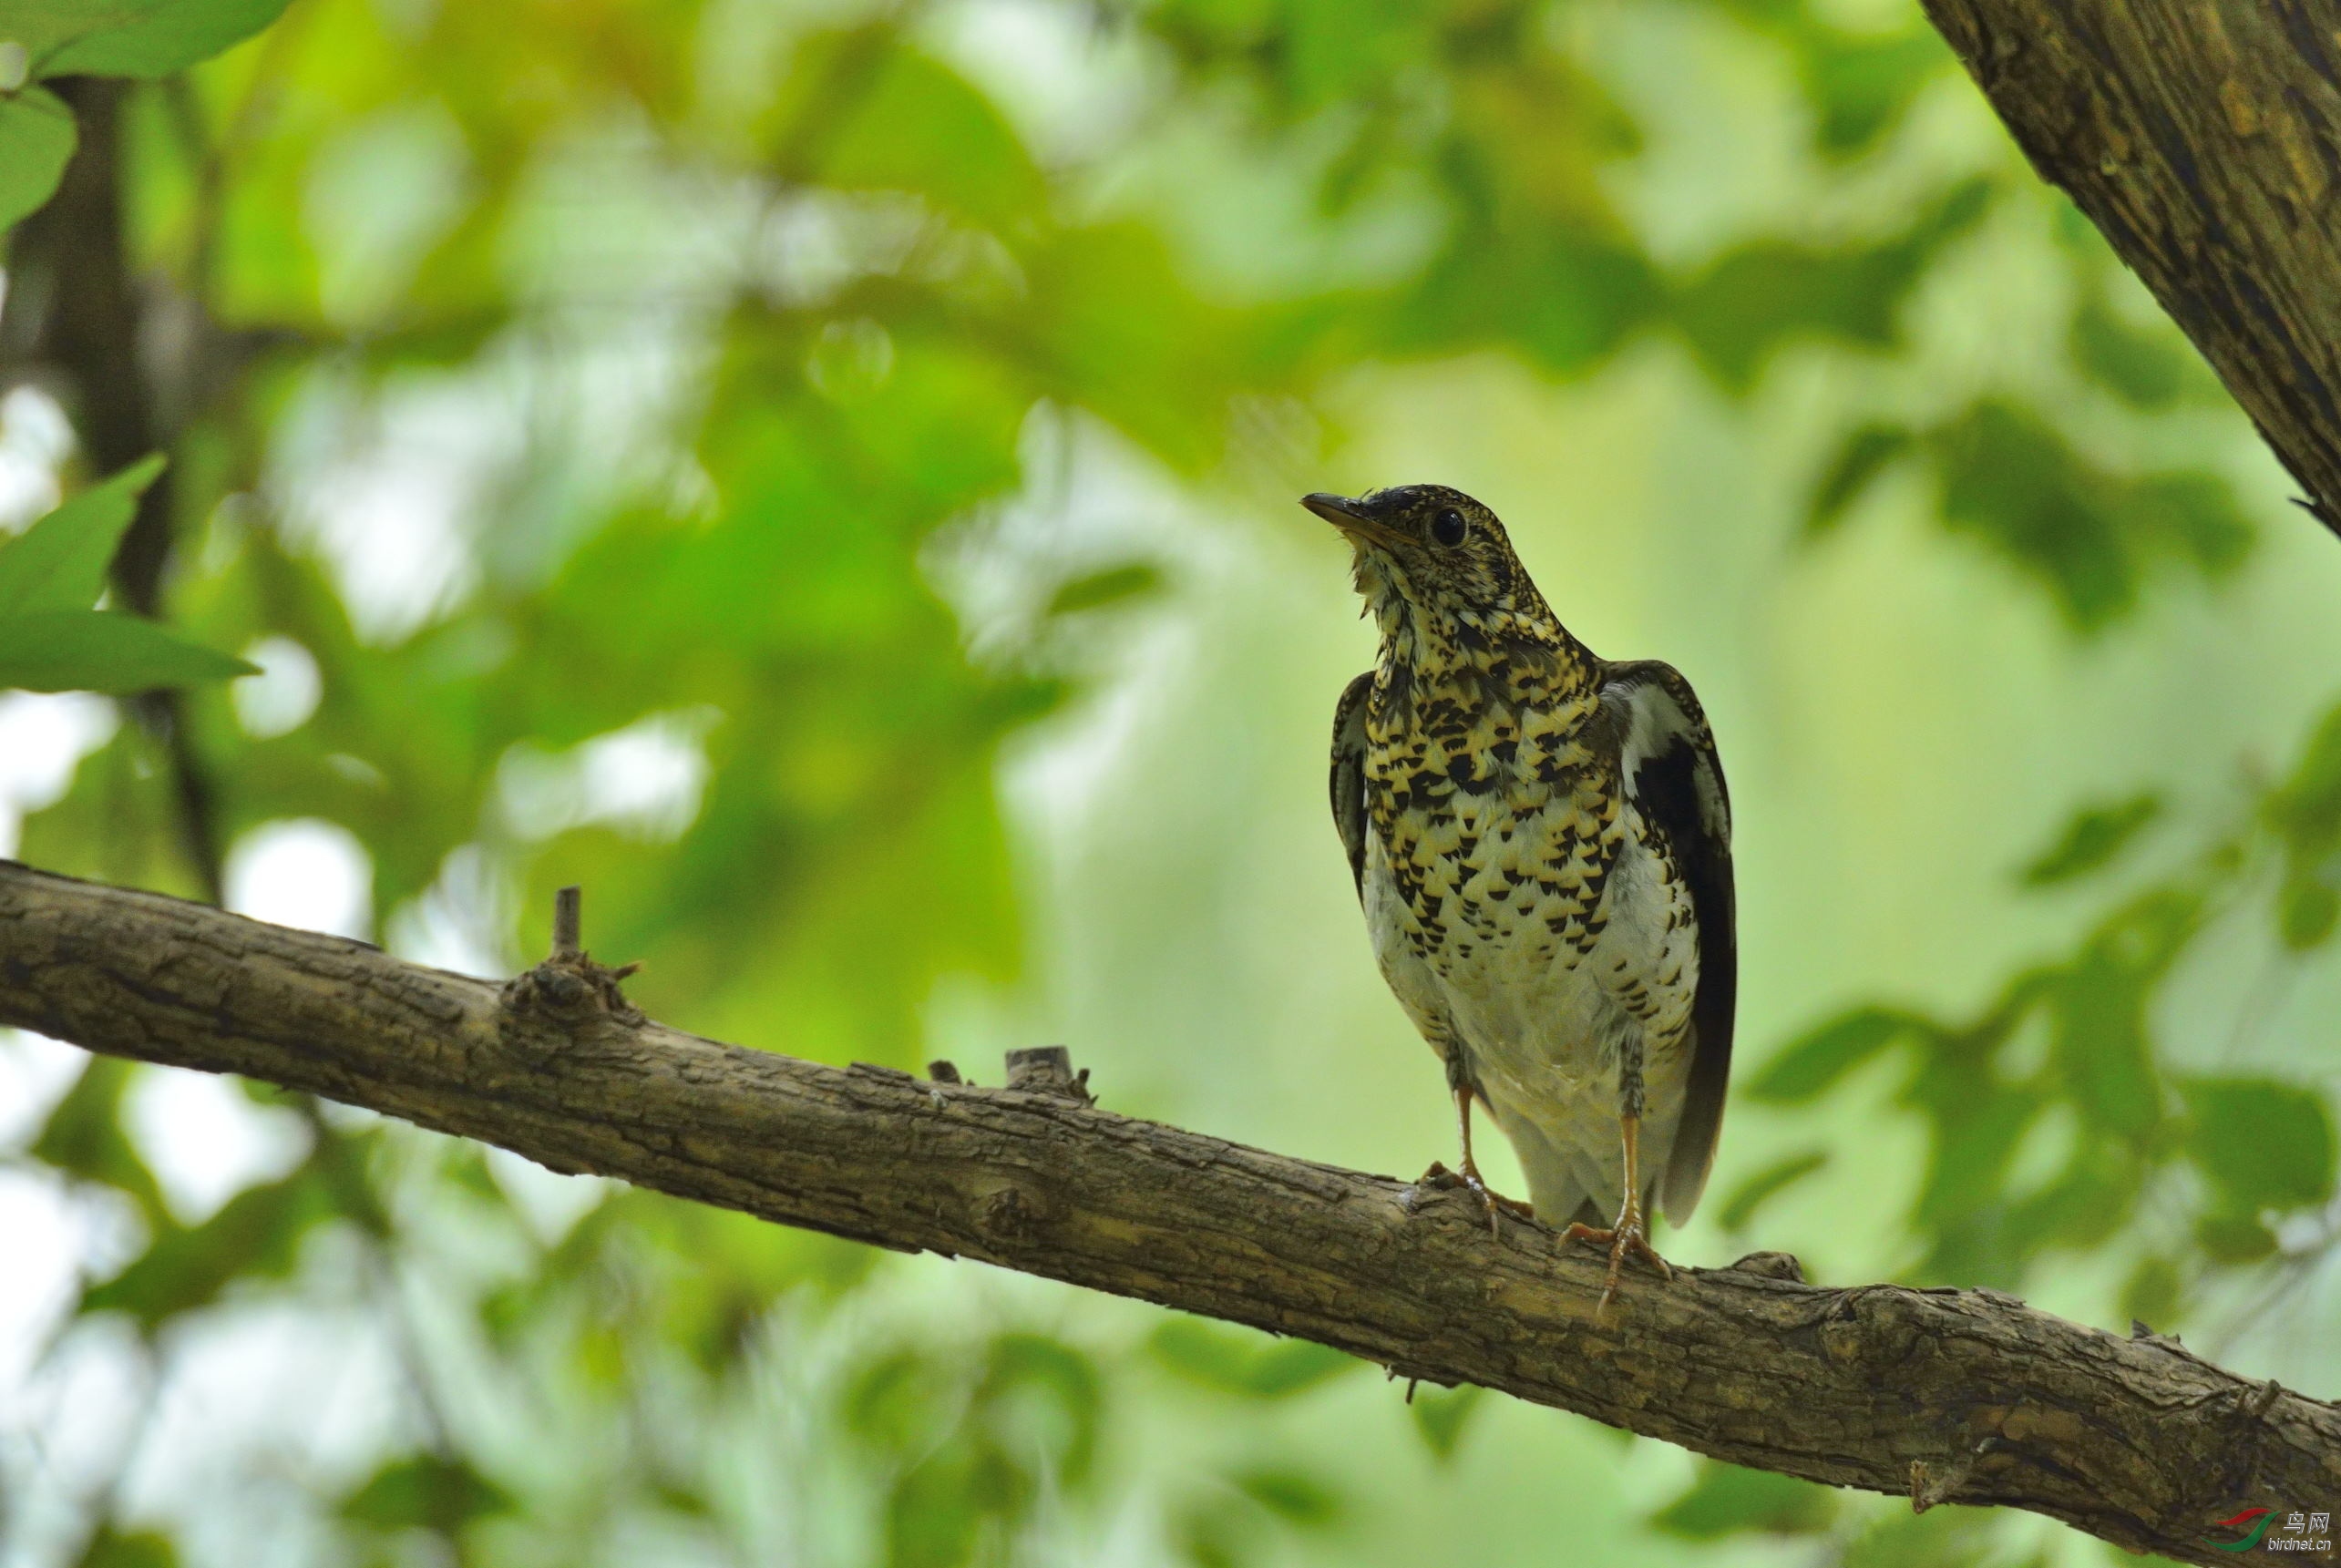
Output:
[[1629, 1234], [1494, 1203]]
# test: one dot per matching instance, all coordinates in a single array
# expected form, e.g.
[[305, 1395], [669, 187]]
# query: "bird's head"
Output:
[[1434, 564]]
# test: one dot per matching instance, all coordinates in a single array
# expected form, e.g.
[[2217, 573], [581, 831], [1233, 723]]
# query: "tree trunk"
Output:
[[2199, 136]]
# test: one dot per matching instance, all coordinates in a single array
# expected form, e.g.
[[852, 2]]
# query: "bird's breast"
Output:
[[1497, 826]]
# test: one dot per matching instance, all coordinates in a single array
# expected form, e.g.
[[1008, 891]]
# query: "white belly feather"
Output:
[[1542, 1025]]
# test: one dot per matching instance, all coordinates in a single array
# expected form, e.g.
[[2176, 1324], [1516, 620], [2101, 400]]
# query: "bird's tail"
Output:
[[1561, 1182], [1573, 1185]]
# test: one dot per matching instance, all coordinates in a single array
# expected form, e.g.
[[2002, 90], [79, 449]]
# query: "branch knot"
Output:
[[568, 988], [1048, 1070]]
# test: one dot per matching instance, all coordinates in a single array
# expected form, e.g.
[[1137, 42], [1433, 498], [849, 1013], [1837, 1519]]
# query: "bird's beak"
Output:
[[1352, 518]]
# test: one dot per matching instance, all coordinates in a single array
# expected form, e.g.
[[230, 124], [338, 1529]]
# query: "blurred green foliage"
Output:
[[777, 310], [1237, 1362], [1728, 1498], [2094, 836], [2091, 538], [2188, 1178]]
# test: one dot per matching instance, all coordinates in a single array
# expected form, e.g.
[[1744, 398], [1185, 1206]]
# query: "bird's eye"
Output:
[[1448, 527]]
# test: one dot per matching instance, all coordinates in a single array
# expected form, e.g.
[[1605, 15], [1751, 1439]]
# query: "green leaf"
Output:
[[84, 1138], [2100, 1004], [865, 110], [1566, 295], [36, 141], [938, 1510], [1806, 1066], [2307, 810], [131, 1549], [1291, 1495], [889, 1403], [2233, 1239], [2305, 813], [1756, 299], [95, 650], [1939, 1538], [1758, 1189], [1152, 371], [1727, 1500], [2263, 1144], [1978, 1121], [2012, 481], [688, 1501], [1864, 453], [2092, 839], [1049, 1396], [256, 1234], [1214, 1534], [2148, 370], [1861, 86], [426, 1492], [1241, 1361], [2195, 517], [1440, 1414], [1113, 586], [43, 27], [975, 1459], [2153, 1293], [155, 39], [2084, 1208], [2307, 911], [59, 563]]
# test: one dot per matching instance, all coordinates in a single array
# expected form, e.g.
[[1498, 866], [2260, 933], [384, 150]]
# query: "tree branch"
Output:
[[2203, 139], [1943, 1396]]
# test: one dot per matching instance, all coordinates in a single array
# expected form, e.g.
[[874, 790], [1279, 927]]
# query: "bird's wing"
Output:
[[1348, 780], [1669, 769]]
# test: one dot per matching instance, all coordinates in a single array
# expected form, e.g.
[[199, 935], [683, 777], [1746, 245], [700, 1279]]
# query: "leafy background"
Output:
[[820, 475]]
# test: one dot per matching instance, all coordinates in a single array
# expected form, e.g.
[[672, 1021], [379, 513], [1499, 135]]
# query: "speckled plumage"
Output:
[[1541, 842]]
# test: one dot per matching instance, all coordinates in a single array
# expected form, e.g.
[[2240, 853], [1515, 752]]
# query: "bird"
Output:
[[1541, 842]]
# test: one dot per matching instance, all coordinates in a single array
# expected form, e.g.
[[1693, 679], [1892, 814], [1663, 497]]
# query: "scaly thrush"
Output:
[[1542, 843]]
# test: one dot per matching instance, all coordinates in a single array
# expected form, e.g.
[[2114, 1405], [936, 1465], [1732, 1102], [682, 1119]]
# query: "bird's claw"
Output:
[[1494, 1203], [1627, 1236]]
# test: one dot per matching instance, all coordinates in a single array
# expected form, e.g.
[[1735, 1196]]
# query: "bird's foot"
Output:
[[1627, 1236], [1494, 1203]]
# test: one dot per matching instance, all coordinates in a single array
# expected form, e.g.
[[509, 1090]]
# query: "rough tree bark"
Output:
[[1943, 1396], [2203, 139]]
